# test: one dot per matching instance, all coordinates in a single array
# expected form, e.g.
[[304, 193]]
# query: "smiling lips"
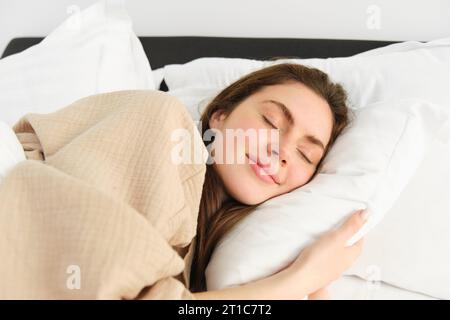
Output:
[[259, 170]]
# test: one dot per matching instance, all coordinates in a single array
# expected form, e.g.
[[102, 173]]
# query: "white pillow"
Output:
[[158, 77], [404, 46], [208, 72], [416, 70], [11, 150], [93, 51], [370, 164], [410, 248], [194, 99], [201, 79]]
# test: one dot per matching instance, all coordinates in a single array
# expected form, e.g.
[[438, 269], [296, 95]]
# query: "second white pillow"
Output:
[[93, 51]]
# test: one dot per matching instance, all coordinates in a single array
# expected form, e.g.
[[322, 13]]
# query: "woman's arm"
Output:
[[321, 294], [277, 286], [316, 266]]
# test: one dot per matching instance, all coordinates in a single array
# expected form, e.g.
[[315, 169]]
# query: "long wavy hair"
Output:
[[219, 212]]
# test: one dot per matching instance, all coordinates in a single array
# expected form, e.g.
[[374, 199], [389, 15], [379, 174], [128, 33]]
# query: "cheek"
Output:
[[241, 185], [300, 176], [251, 129]]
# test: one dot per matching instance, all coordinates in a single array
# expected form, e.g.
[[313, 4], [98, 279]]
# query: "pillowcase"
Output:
[[158, 77], [11, 150], [407, 248], [410, 247], [419, 70], [404, 46], [93, 51], [208, 72], [368, 167], [194, 99]]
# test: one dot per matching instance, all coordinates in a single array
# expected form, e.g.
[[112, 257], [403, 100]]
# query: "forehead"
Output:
[[311, 113]]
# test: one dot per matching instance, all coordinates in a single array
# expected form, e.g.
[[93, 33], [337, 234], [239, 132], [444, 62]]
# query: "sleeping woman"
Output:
[[310, 112], [98, 210]]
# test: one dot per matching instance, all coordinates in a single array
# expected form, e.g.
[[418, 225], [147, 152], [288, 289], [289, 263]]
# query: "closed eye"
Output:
[[299, 151], [304, 157], [269, 123]]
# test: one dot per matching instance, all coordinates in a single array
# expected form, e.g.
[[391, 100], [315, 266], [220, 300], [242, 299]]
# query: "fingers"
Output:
[[357, 247], [359, 244], [321, 294], [355, 250], [352, 224]]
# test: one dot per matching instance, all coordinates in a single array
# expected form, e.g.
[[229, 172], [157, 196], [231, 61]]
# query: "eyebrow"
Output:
[[288, 115]]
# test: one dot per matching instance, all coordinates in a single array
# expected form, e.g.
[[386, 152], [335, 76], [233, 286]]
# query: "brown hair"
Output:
[[218, 211]]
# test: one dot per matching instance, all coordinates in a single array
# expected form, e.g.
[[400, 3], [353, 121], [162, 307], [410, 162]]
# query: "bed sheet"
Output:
[[354, 288]]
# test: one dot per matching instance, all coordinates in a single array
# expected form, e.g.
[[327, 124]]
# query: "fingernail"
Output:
[[364, 214]]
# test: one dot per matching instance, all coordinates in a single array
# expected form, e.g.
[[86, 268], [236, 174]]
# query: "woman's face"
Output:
[[289, 160]]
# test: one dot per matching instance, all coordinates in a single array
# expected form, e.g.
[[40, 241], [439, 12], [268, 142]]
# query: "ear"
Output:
[[217, 119]]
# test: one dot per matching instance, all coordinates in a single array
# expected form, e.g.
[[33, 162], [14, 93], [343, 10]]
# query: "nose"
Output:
[[276, 150]]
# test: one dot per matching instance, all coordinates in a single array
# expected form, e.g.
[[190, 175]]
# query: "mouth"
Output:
[[261, 172]]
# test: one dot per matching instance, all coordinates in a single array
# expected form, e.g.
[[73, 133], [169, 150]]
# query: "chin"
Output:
[[244, 198], [243, 191]]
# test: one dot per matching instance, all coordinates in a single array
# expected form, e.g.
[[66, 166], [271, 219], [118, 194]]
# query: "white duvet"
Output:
[[11, 151]]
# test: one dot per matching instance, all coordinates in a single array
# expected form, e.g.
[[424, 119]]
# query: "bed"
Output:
[[353, 288], [178, 50]]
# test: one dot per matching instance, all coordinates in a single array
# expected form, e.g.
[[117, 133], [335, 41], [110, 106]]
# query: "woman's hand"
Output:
[[325, 260], [315, 267]]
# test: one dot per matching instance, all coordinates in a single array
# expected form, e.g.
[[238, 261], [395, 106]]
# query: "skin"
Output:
[[325, 260], [312, 116]]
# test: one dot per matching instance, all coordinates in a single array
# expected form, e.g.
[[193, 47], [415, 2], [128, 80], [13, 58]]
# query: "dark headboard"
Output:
[[169, 50]]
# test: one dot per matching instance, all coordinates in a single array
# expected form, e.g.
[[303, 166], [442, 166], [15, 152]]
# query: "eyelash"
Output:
[[268, 122], [304, 157], [301, 153]]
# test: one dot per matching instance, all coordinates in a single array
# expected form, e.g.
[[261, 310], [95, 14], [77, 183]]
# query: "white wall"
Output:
[[396, 19]]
